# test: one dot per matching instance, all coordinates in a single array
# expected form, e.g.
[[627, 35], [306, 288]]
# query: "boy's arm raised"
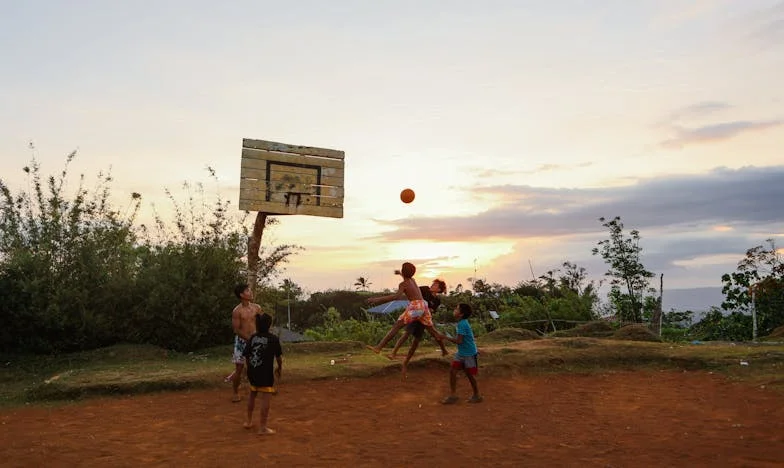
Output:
[[401, 293]]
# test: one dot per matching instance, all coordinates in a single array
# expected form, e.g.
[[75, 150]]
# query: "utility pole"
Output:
[[288, 300]]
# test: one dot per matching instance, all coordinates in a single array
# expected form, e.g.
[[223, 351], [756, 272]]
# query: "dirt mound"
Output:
[[597, 329], [323, 346], [777, 333], [635, 333], [504, 335]]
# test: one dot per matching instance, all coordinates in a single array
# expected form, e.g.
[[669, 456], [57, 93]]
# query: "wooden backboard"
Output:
[[277, 178]]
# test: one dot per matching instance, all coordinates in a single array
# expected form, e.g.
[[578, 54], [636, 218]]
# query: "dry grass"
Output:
[[140, 369], [635, 333], [504, 335], [597, 329]]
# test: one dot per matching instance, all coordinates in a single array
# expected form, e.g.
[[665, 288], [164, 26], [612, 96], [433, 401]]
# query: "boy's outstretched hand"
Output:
[[278, 372]]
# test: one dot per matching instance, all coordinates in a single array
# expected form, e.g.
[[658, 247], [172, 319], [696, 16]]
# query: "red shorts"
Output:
[[466, 363]]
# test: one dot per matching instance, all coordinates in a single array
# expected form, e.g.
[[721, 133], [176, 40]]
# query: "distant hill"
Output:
[[694, 299]]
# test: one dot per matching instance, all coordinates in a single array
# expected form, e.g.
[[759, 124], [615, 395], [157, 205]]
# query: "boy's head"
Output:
[[242, 290], [263, 323], [416, 329], [463, 311], [438, 287], [408, 270]]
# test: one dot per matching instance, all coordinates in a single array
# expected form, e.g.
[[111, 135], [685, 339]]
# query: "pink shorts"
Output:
[[417, 311]]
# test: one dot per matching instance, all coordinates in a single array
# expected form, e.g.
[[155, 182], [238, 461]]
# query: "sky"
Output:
[[517, 123]]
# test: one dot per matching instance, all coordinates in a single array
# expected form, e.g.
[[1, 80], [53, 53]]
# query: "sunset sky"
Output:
[[517, 123]]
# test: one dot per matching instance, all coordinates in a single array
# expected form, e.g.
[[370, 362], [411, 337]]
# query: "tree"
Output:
[[763, 270], [362, 283], [573, 277], [622, 253]]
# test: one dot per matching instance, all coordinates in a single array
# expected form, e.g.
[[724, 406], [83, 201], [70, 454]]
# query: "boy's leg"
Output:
[[235, 382], [437, 336], [251, 403], [452, 398], [265, 407], [392, 332], [470, 370], [476, 396], [399, 344], [410, 355]]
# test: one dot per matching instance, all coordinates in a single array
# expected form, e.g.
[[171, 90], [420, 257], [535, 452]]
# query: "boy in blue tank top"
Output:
[[466, 357]]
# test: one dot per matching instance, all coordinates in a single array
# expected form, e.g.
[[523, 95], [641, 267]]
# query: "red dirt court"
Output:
[[650, 418]]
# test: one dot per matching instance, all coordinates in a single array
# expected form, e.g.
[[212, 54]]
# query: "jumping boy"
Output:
[[417, 330], [417, 309], [466, 357], [433, 302], [259, 352]]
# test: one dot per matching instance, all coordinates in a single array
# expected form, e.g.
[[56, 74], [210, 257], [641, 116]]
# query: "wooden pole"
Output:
[[661, 301], [753, 315], [254, 244]]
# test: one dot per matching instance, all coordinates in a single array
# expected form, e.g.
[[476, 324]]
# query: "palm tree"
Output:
[[362, 283]]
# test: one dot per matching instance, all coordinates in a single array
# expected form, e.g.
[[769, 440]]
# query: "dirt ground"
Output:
[[652, 418]]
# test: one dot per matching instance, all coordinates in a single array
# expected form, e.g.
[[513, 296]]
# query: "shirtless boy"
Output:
[[243, 320], [417, 309]]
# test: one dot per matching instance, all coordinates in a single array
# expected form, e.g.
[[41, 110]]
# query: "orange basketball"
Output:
[[407, 195]]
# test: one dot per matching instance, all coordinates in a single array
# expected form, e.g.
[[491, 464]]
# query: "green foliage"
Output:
[[719, 327], [622, 254], [336, 329], [310, 313], [64, 264], [762, 270], [674, 334], [76, 274]]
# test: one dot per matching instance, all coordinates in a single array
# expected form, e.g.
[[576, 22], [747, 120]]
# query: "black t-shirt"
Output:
[[432, 301], [260, 351]]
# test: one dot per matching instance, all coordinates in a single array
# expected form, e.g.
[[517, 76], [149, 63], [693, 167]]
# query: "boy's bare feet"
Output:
[[266, 431], [236, 399], [373, 348], [392, 357], [247, 424]]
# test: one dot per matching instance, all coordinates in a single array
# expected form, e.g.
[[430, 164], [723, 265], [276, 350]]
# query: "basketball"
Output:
[[407, 196]]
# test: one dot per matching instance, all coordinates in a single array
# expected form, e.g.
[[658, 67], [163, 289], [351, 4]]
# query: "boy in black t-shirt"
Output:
[[260, 350]]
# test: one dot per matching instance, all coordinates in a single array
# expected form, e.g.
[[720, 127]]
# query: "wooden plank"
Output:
[[261, 186], [325, 181], [260, 166], [285, 148], [250, 173], [261, 173], [280, 197], [281, 209], [292, 158]]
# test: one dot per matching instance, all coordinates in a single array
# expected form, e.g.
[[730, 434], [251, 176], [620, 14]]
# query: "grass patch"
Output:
[[126, 369], [597, 329], [635, 333], [504, 335]]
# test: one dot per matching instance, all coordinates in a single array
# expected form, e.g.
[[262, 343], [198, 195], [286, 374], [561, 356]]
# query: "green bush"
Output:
[[77, 274], [716, 326], [674, 334]]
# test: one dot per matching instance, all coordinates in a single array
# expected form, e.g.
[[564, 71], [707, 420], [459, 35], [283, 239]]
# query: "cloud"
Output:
[[698, 110], [716, 132], [494, 173], [741, 197], [768, 28]]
